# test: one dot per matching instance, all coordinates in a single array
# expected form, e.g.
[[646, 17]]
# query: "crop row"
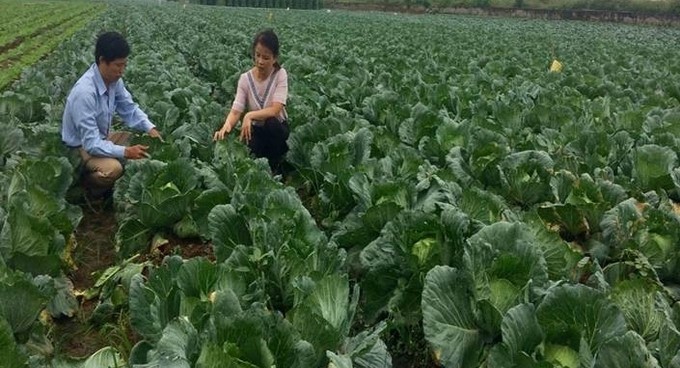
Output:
[[24, 20]]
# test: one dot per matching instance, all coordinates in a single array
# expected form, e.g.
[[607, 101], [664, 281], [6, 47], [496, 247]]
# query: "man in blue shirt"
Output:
[[88, 115]]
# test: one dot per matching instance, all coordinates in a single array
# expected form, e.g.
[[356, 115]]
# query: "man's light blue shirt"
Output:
[[89, 112]]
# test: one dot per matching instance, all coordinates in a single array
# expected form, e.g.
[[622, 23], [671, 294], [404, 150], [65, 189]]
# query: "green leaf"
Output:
[[214, 356], [566, 216], [482, 205], [330, 299], [154, 304], [339, 361], [245, 335], [132, 237], [28, 234], [637, 299], [227, 230], [139, 176], [163, 207], [51, 174], [20, 304], [64, 302], [107, 357], [521, 331], [139, 354], [422, 122], [340, 152], [197, 278], [11, 140], [181, 173], [287, 348], [163, 151], [563, 356], [367, 350], [653, 165], [11, 356], [503, 259], [145, 310], [624, 351], [621, 223], [324, 317], [450, 134], [669, 343], [203, 204], [560, 258], [521, 336], [457, 227], [225, 303], [178, 346], [569, 313], [377, 357], [358, 232], [525, 177], [186, 228], [449, 319], [394, 270]]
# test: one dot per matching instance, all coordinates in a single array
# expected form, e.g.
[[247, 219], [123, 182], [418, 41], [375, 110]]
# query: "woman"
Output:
[[263, 91]]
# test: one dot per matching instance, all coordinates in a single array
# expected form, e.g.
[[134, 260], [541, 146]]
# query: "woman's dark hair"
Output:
[[268, 39], [111, 46]]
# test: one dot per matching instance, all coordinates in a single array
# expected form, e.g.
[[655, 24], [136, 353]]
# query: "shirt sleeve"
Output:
[[129, 111], [241, 97], [281, 91], [84, 116]]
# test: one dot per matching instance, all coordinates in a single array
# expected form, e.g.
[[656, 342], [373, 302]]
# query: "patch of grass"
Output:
[[120, 334]]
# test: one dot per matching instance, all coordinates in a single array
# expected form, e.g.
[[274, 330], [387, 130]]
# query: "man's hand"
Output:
[[154, 133], [136, 152]]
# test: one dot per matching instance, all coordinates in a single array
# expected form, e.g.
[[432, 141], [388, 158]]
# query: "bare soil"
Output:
[[186, 248], [409, 349], [77, 337]]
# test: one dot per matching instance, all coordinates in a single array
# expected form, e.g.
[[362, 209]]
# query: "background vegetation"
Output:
[[636, 6]]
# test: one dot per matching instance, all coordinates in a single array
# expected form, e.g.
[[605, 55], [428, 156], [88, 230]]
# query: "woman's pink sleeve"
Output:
[[281, 91], [240, 99]]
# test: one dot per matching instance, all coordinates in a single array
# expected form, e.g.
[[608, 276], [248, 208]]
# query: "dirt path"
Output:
[[77, 337]]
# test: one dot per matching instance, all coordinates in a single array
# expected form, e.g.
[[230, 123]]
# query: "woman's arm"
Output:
[[229, 124], [263, 114]]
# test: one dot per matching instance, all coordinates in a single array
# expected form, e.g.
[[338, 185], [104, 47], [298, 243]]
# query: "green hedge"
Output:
[[640, 6], [293, 4]]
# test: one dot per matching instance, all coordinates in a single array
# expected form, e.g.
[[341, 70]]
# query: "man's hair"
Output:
[[111, 46]]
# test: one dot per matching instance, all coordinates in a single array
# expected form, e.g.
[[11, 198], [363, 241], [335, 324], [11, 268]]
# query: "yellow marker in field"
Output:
[[556, 66], [270, 16]]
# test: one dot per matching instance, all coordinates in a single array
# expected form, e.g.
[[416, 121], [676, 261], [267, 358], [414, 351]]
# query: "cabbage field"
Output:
[[451, 201]]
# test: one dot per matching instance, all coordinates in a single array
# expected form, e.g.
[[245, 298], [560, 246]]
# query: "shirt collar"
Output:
[[98, 80]]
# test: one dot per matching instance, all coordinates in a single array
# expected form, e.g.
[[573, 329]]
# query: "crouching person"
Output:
[[88, 114], [262, 90]]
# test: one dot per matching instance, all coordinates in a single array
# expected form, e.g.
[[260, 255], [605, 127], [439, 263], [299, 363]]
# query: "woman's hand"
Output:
[[246, 128], [220, 134]]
